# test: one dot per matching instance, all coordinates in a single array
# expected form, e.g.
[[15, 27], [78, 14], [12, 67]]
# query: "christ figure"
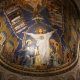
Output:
[[42, 42]]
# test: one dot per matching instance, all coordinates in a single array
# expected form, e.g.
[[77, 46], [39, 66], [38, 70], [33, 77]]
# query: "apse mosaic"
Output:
[[37, 35]]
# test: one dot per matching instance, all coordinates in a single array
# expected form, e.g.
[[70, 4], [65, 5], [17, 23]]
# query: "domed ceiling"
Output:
[[38, 34]]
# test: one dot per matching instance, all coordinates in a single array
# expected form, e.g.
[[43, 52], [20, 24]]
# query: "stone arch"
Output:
[[78, 75], [13, 77], [2, 76], [71, 77], [26, 79], [44, 78], [59, 78]]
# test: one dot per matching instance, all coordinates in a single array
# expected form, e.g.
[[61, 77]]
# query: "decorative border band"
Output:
[[38, 74]]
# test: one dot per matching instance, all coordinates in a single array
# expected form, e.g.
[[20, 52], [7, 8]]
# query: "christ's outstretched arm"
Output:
[[30, 34], [50, 33]]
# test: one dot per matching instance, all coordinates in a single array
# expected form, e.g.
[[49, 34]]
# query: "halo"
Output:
[[40, 27], [28, 41]]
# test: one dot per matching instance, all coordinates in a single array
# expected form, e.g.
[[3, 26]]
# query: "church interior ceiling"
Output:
[[38, 34]]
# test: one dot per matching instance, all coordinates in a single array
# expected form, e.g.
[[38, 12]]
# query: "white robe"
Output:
[[43, 45]]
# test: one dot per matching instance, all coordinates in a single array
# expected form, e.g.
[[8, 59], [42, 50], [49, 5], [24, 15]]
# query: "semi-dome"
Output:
[[38, 36]]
